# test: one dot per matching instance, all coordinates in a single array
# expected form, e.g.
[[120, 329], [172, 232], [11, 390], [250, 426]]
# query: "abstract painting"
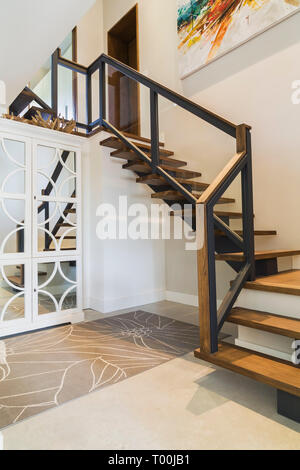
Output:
[[208, 29]]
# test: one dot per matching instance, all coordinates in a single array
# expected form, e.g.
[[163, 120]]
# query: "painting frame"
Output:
[[197, 68]]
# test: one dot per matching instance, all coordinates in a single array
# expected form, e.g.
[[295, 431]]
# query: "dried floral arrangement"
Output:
[[56, 124]]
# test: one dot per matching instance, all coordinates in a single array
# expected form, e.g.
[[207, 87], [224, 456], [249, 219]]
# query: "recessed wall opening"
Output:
[[124, 108]]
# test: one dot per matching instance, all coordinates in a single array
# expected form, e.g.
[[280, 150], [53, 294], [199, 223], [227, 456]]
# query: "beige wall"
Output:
[[251, 84]]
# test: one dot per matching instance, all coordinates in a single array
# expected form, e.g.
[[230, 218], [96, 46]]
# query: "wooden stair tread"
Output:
[[273, 372], [115, 143], [41, 273], [222, 200], [143, 167], [152, 180], [131, 156], [174, 163], [228, 214], [61, 249], [156, 180], [177, 196], [286, 282], [66, 238], [195, 185], [181, 172], [16, 280], [258, 255], [65, 225], [265, 321], [257, 233], [221, 214], [132, 136]]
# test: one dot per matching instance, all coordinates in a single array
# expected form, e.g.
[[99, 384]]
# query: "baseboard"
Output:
[[49, 321], [181, 298], [112, 305]]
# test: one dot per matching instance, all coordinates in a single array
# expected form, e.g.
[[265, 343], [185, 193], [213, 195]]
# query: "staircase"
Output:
[[261, 302], [280, 374]]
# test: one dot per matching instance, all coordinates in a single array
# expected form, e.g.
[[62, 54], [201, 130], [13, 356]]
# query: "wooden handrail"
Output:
[[199, 111], [209, 193], [69, 64], [192, 107]]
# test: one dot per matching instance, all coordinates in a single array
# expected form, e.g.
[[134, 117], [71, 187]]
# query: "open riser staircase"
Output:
[[261, 303]]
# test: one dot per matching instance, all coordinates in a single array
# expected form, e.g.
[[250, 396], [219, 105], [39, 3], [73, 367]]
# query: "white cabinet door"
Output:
[[56, 181], [15, 233], [40, 237]]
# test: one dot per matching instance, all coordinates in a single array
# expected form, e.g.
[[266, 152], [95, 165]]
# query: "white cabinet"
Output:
[[40, 228]]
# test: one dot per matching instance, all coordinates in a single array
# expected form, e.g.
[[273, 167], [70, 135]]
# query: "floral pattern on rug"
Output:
[[42, 370]]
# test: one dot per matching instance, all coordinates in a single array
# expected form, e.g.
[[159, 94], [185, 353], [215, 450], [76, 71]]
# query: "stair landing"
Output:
[[286, 282]]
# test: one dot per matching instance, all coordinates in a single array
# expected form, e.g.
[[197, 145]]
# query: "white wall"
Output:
[[90, 39], [30, 31], [117, 273]]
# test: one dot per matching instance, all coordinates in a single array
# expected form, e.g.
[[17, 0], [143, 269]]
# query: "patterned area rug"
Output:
[[39, 371]]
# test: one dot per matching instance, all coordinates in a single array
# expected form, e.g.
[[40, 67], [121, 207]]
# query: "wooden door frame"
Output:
[[138, 65], [136, 8]]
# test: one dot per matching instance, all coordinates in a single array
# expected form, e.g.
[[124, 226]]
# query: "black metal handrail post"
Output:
[[102, 91], [54, 81], [154, 129], [89, 104], [212, 282], [248, 212]]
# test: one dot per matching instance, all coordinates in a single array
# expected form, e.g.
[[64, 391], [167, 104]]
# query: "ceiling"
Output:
[[29, 33]]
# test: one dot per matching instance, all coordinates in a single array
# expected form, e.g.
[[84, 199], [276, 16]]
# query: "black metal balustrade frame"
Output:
[[245, 244]]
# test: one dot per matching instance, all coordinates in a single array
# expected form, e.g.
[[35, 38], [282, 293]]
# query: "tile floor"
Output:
[[183, 404]]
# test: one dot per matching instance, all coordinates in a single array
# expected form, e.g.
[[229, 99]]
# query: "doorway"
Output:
[[123, 93]]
